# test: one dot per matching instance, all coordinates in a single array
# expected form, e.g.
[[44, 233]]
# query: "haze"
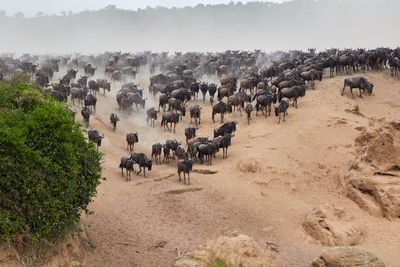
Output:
[[267, 26]]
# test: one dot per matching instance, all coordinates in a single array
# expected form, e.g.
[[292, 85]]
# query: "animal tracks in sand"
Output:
[[181, 191]]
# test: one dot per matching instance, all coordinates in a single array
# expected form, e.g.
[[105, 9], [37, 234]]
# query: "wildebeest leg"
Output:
[[188, 178], [361, 92], [184, 177], [122, 171], [212, 116], [179, 175], [351, 91], [222, 117], [140, 170], [279, 118], [144, 171], [174, 126], [295, 101], [226, 151]]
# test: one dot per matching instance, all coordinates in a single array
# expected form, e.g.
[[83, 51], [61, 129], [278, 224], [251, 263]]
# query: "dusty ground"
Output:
[[274, 175]]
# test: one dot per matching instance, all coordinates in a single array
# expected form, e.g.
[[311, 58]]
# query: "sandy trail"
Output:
[[298, 165]]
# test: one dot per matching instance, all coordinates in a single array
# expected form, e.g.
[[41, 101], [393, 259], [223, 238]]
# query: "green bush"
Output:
[[48, 172]]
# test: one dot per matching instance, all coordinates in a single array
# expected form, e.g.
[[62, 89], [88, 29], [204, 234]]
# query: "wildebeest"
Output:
[[151, 116], [90, 101], [222, 108], [78, 93], [226, 128], [173, 144], [234, 100], [282, 108], [83, 81], [176, 105], [182, 94], [190, 132], [156, 150], [103, 83], [195, 112], [180, 153], [127, 163], [293, 92], [194, 88], [131, 139], [311, 76], [223, 142], [185, 166], [114, 119], [170, 117], [142, 161], [85, 112], [93, 86], [163, 100], [207, 150], [71, 73], [264, 103], [166, 152], [248, 109], [212, 89], [358, 82], [89, 70], [93, 135], [204, 88]]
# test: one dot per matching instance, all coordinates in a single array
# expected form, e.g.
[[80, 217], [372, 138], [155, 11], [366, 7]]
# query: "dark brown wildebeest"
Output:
[[93, 135], [151, 116], [90, 101], [142, 161], [248, 109], [114, 119], [131, 139], [185, 166], [156, 150], [195, 112], [282, 108], [127, 163], [222, 108], [293, 92], [170, 117], [358, 82], [85, 112]]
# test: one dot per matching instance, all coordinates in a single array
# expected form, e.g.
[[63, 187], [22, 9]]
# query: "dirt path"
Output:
[[273, 176]]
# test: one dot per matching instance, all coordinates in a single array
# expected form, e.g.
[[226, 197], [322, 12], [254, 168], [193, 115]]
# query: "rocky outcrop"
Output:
[[374, 180], [230, 250], [347, 257], [332, 226]]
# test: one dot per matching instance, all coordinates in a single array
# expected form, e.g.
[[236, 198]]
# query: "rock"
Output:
[[378, 194], [332, 226], [347, 257], [230, 250]]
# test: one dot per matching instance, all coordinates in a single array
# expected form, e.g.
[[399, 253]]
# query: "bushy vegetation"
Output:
[[48, 172]]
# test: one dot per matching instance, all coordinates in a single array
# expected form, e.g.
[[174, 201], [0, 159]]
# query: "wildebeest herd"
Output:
[[231, 80]]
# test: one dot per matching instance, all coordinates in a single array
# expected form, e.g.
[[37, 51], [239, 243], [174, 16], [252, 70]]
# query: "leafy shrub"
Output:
[[48, 172]]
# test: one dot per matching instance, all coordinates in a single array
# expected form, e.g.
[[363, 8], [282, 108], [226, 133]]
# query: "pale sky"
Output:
[[31, 7]]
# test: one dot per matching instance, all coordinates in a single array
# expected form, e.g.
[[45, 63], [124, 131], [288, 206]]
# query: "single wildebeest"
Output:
[[89, 70], [78, 93], [264, 103], [170, 117], [194, 88], [204, 88], [224, 92], [207, 150], [311, 76], [142, 161], [166, 152], [156, 150], [180, 153], [93, 87], [83, 81], [137, 99], [65, 80], [195, 112], [358, 82], [190, 132], [85, 112], [248, 109], [127, 163], [293, 92], [234, 100], [282, 108], [221, 108], [90, 101], [71, 73], [103, 83], [93, 135], [131, 139], [176, 105], [227, 127], [151, 116], [223, 142], [182, 94], [114, 119], [162, 101], [212, 89], [185, 166]]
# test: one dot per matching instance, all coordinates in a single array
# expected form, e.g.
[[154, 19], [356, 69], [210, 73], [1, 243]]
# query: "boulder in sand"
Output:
[[332, 226]]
